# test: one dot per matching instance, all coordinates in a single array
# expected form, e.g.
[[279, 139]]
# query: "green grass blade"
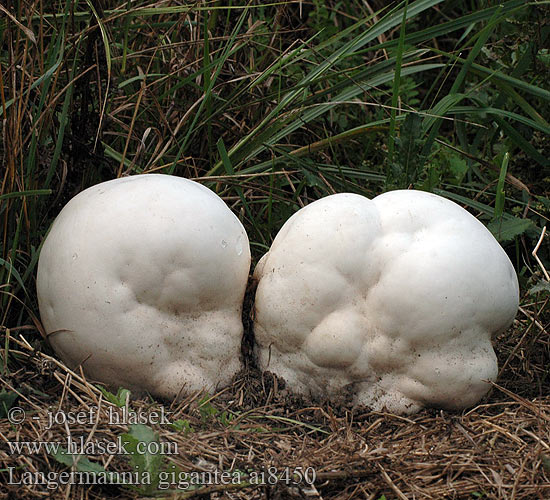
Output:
[[281, 128], [231, 171], [13, 272], [389, 21], [432, 32], [521, 143], [208, 92], [458, 110], [63, 121], [396, 84], [21, 194], [501, 195], [459, 81]]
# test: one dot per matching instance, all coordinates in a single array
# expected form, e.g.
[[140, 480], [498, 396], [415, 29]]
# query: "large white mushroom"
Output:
[[395, 299], [141, 282]]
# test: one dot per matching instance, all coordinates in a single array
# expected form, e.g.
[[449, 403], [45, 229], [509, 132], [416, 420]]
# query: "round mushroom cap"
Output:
[[393, 299], [141, 282]]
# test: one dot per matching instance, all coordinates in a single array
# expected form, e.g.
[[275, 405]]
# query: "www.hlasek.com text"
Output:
[[81, 445]]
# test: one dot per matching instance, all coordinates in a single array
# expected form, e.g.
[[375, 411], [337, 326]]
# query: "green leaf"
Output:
[[458, 167], [507, 229], [225, 158], [312, 179], [137, 444], [226, 418], [182, 426], [544, 57], [206, 409], [82, 465], [7, 398], [119, 399], [13, 272], [409, 159]]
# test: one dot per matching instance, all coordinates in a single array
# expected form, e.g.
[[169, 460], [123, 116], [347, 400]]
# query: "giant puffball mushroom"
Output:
[[141, 282], [394, 299]]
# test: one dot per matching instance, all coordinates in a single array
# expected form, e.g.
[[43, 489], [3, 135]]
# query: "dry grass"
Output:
[[499, 449]]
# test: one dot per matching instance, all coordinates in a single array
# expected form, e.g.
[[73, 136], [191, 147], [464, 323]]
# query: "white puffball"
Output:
[[141, 281], [395, 298]]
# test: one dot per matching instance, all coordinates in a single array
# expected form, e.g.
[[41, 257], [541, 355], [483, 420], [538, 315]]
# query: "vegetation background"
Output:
[[273, 105]]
